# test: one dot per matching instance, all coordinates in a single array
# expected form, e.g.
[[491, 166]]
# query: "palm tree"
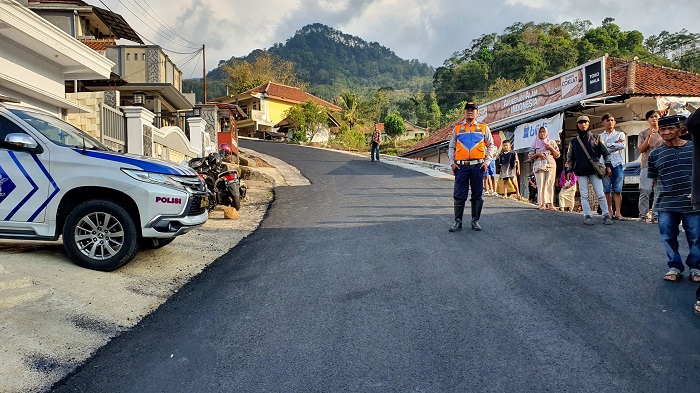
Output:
[[350, 103]]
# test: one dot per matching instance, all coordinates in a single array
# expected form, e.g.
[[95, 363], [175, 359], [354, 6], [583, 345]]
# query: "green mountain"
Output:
[[330, 62]]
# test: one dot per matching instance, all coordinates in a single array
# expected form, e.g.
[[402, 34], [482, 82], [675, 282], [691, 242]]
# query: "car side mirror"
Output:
[[23, 142]]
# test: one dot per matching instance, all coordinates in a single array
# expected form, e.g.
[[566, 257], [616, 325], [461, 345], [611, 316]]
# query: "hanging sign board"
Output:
[[585, 81]]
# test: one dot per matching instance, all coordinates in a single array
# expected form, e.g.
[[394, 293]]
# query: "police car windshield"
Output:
[[58, 131]]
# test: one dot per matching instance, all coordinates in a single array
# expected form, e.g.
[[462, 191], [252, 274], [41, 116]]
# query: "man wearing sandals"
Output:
[[671, 167]]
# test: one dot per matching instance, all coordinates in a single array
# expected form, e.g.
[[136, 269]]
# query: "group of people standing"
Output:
[[595, 160]]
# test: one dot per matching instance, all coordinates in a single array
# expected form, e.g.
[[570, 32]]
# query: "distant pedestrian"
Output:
[[376, 140], [532, 187], [544, 153], [671, 167], [510, 168], [469, 155], [584, 145], [649, 140], [567, 194], [615, 141]]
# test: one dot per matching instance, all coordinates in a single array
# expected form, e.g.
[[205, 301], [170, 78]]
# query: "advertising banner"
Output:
[[526, 133], [585, 81]]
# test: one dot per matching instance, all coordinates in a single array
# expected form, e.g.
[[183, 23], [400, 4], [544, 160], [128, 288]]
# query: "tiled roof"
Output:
[[629, 77], [649, 79], [289, 93], [99, 44]]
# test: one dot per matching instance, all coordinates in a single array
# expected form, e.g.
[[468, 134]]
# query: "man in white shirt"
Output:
[[612, 185]]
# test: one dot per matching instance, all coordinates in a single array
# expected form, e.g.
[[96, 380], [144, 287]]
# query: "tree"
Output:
[[244, 76], [308, 118], [434, 112], [350, 103], [394, 126], [379, 104], [502, 87], [690, 60]]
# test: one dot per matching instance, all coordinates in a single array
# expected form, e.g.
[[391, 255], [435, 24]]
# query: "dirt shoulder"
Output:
[[56, 314]]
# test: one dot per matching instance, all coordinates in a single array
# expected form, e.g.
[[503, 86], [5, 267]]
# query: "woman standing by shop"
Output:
[[544, 153]]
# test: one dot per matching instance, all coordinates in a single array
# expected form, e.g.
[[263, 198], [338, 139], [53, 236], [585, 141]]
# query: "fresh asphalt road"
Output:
[[354, 284]]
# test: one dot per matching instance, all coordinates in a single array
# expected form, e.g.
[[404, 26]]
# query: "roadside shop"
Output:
[[627, 89]]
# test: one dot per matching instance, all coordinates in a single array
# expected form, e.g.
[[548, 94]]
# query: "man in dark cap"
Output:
[[469, 154], [671, 165]]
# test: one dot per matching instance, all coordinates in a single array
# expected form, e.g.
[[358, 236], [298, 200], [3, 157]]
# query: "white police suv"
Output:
[[57, 181]]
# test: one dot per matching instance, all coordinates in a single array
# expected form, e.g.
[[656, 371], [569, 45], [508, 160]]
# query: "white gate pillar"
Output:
[[136, 118], [197, 127]]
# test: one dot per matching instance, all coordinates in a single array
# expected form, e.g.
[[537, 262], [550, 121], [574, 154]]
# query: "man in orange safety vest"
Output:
[[470, 154]]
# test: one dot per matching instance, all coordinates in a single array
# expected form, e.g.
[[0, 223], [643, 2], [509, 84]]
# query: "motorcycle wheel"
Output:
[[237, 202]]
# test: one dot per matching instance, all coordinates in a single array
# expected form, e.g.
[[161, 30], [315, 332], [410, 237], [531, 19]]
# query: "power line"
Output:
[[194, 68], [160, 21], [150, 27], [167, 26]]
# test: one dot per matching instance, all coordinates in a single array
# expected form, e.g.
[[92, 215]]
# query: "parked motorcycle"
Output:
[[224, 186]]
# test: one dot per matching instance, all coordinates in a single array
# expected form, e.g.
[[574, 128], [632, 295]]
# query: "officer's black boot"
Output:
[[459, 213], [476, 214]]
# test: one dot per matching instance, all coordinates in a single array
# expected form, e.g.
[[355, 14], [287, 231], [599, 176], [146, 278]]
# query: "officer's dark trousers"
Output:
[[469, 176]]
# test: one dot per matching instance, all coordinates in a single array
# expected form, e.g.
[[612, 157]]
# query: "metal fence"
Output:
[[112, 127]]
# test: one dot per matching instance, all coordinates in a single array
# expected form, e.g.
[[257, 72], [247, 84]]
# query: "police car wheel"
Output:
[[153, 243], [100, 235]]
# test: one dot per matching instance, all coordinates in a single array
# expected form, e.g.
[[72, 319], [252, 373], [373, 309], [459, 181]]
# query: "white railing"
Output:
[[112, 128]]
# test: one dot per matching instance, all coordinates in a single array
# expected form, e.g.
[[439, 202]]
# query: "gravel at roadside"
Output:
[[56, 314]]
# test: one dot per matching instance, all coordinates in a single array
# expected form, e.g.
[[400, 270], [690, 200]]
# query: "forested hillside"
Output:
[[331, 61]]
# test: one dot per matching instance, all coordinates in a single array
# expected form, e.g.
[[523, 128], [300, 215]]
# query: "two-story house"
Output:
[[267, 105]]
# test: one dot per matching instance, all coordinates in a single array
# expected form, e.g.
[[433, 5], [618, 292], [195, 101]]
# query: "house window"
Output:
[[128, 56], [255, 106], [143, 57], [136, 56]]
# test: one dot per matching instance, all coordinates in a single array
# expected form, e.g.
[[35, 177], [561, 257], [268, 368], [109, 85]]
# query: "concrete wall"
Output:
[[88, 122]]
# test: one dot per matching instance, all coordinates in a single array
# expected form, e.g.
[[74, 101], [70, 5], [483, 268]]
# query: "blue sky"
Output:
[[427, 30]]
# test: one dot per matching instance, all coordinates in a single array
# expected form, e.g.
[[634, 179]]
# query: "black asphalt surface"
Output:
[[354, 284]]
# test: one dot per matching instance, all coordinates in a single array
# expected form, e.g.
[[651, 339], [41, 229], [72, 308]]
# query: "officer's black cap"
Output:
[[471, 105]]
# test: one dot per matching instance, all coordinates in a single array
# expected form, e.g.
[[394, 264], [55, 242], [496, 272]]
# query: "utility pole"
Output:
[[204, 73]]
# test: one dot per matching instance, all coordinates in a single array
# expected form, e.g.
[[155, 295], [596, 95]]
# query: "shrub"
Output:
[[352, 139], [299, 136]]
